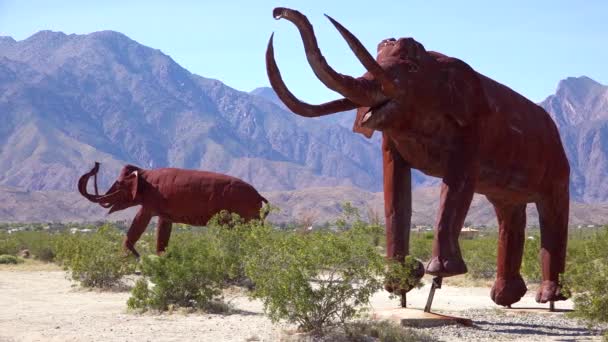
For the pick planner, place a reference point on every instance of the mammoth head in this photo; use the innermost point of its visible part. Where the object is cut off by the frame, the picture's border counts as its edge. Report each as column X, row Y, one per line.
column 403, row 79
column 121, row 195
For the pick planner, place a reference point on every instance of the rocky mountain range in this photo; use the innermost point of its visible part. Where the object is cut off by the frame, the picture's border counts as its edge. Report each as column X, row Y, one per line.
column 316, row 205
column 579, row 107
column 69, row 100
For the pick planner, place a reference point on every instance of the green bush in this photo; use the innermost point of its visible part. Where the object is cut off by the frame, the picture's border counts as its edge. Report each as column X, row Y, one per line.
column 480, row 256
column 190, row 274
column 9, row 259
column 401, row 274
column 421, row 245
column 8, row 244
column 226, row 234
column 530, row 266
column 586, row 274
column 314, row 279
column 39, row 243
column 96, row 259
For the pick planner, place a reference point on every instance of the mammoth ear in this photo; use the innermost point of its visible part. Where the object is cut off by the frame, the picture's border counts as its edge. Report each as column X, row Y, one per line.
column 132, row 183
column 357, row 128
column 127, row 170
column 462, row 96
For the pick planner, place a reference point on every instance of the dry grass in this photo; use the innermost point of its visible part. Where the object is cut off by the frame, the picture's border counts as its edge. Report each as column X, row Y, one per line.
column 464, row 281
column 31, row 265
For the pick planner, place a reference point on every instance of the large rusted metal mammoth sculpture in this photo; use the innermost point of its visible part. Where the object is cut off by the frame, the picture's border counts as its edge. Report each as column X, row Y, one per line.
column 174, row 195
column 440, row 116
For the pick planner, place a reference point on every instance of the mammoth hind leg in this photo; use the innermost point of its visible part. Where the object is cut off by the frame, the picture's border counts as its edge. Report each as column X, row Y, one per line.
column 553, row 217
column 509, row 286
column 163, row 234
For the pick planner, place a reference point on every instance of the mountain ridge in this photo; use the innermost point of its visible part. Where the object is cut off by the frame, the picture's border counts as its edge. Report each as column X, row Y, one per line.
column 579, row 108
column 315, row 205
column 138, row 106
column 70, row 100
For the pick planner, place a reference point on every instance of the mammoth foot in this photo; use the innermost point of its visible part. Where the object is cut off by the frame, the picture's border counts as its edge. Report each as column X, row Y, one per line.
column 508, row 291
column 446, row 267
column 549, row 291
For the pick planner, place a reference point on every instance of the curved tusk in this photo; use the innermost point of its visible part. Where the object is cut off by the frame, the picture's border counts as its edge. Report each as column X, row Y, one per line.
column 358, row 90
column 388, row 86
column 292, row 102
column 108, row 198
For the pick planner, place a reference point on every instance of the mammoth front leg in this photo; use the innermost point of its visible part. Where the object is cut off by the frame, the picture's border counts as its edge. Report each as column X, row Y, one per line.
column 138, row 226
column 397, row 201
column 163, row 233
column 397, row 207
column 456, row 196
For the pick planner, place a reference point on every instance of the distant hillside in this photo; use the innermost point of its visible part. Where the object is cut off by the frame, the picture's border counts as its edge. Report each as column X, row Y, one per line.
column 319, row 205
column 580, row 109
column 68, row 100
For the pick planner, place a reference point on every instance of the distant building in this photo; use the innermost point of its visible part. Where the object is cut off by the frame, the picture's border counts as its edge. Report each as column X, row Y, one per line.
column 469, row 233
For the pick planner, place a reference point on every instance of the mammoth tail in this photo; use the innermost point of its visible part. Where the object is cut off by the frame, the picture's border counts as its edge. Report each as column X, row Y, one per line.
column 267, row 211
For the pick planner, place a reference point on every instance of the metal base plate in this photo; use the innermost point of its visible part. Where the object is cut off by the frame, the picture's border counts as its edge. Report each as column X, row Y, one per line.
column 418, row 318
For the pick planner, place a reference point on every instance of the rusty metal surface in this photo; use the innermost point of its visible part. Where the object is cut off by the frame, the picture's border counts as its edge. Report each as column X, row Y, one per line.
column 175, row 196
column 440, row 116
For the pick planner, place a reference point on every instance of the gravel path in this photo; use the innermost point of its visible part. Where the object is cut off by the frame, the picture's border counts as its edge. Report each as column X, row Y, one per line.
column 42, row 305
column 502, row 325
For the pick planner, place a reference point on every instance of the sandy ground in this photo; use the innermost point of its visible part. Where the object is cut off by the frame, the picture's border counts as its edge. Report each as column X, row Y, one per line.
column 43, row 305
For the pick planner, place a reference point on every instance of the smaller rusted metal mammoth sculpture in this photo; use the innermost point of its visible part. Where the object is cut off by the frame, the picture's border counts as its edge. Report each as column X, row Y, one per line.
column 174, row 195
column 440, row 116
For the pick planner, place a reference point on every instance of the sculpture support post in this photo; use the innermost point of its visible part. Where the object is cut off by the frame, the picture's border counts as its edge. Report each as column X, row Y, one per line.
column 434, row 286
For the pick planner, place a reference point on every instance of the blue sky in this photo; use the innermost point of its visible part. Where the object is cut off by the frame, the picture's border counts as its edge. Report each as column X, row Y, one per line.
column 527, row 45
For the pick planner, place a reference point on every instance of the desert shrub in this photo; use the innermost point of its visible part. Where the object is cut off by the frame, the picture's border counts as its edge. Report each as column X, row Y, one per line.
column 530, row 266
column 480, row 256
column 8, row 244
column 226, row 234
column 66, row 246
column 9, row 259
column 586, row 275
column 401, row 274
column 94, row 260
column 315, row 279
column 190, row 274
column 40, row 244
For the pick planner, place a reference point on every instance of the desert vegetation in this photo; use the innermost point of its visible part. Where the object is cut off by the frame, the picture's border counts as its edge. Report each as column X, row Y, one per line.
column 319, row 279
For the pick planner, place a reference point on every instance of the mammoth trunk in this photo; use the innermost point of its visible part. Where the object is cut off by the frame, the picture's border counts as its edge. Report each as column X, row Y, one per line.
column 84, row 180
column 103, row 200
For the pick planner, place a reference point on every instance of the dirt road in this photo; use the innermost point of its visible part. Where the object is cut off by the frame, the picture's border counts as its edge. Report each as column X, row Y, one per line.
column 43, row 305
